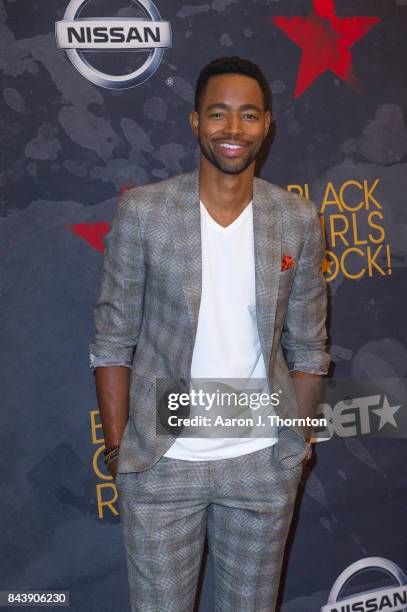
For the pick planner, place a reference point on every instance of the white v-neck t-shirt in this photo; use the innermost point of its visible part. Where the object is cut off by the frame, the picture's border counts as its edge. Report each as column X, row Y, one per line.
column 227, row 344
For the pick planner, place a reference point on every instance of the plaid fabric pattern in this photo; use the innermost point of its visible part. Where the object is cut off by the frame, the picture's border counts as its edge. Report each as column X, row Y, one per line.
column 244, row 504
column 147, row 312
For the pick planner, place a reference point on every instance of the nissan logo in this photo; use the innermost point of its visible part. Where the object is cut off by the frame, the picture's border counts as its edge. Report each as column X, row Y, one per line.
column 76, row 35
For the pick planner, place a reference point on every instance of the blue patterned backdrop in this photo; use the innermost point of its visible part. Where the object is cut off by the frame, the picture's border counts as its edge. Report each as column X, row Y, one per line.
column 70, row 147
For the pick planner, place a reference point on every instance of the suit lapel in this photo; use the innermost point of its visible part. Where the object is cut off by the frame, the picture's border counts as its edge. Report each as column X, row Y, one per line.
column 185, row 218
column 267, row 228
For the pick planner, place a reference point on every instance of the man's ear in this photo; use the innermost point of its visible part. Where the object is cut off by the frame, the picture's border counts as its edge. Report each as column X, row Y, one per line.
column 193, row 118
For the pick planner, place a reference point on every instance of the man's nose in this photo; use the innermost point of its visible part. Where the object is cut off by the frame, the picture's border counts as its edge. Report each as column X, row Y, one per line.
column 234, row 125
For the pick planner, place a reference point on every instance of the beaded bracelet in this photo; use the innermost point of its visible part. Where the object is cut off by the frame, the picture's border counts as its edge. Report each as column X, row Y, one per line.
column 109, row 449
column 111, row 460
column 111, row 457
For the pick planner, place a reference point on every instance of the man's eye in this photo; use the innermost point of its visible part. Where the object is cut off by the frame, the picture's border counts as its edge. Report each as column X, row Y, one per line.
column 216, row 115
column 250, row 116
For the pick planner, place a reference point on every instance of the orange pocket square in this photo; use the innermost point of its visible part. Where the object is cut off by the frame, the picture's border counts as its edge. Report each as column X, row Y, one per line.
column 287, row 262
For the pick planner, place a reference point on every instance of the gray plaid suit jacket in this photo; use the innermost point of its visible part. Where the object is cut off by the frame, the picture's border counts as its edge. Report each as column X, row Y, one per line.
column 147, row 313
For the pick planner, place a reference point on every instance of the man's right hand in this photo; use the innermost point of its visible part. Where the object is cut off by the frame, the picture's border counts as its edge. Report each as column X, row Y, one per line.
column 112, row 389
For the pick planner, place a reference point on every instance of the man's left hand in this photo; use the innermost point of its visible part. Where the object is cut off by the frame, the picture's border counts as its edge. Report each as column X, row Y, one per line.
column 309, row 453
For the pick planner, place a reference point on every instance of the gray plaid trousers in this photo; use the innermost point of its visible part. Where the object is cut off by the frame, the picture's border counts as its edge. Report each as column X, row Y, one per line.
column 244, row 504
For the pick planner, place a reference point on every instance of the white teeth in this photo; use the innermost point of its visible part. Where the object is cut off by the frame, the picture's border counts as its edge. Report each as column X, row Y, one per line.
column 230, row 146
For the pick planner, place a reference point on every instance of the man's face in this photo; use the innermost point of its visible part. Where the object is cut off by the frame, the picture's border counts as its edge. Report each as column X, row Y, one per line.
column 232, row 122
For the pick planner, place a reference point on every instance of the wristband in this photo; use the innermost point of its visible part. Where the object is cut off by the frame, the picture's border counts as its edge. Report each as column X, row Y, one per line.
column 111, row 456
column 109, row 449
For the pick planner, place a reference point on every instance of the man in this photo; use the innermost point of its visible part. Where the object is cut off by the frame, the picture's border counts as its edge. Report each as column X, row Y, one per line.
column 211, row 274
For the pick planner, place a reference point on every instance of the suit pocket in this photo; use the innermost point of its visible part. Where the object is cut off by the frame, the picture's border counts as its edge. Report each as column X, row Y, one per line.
column 285, row 285
column 291, row 448
column 287, row 276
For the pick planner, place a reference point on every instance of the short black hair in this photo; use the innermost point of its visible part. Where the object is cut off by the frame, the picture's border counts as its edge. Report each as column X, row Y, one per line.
column 232, row 65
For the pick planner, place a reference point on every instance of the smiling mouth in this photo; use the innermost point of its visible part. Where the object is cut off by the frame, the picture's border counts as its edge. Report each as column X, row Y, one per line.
column 231, row 149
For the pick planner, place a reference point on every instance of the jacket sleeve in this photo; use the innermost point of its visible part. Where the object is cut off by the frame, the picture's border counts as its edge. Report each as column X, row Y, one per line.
column 304, row 333
column 119, row 309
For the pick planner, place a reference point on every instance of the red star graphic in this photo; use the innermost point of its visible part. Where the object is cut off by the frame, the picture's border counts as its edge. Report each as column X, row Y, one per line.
column 92, row 233
column 126, row 186
column 325, row 40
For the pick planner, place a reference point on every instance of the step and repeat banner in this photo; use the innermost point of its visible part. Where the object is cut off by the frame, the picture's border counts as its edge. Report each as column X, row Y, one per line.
column 94, row 100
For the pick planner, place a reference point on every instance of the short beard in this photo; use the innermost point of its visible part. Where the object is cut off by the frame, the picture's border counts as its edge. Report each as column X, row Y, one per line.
column 215, row 161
